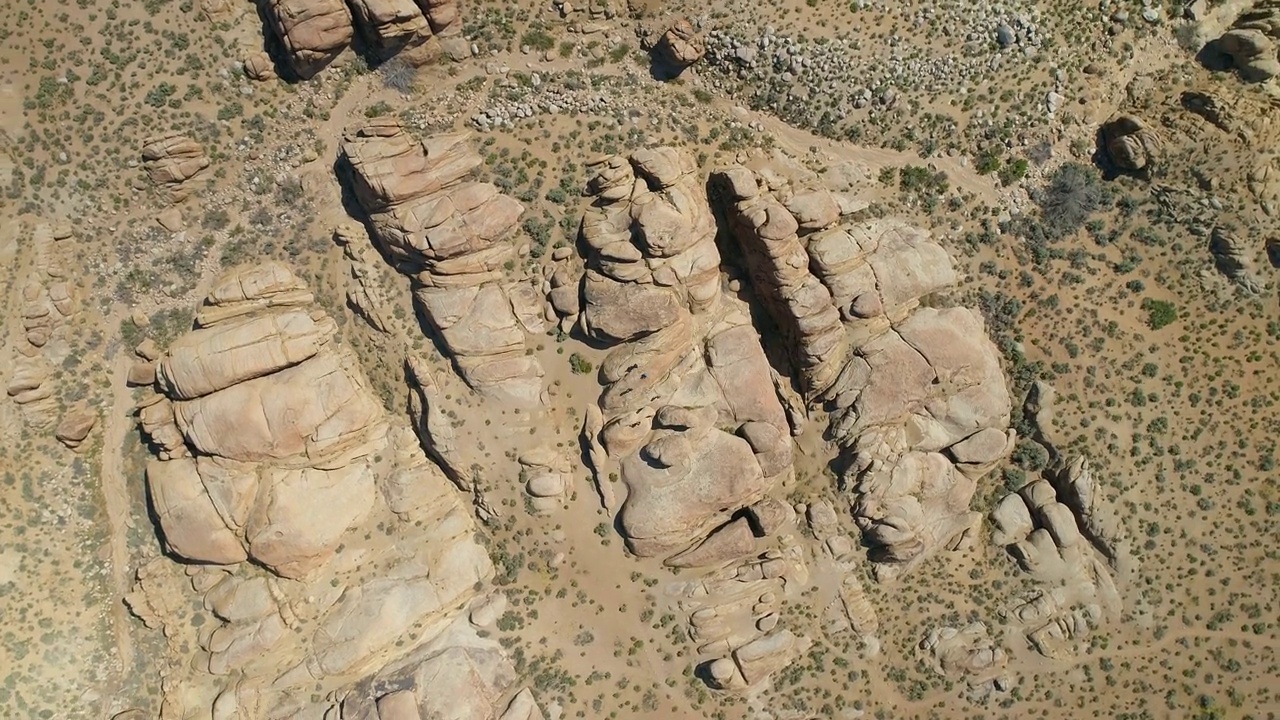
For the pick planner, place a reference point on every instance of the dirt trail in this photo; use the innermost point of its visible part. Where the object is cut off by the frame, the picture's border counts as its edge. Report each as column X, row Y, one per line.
column 115, row 493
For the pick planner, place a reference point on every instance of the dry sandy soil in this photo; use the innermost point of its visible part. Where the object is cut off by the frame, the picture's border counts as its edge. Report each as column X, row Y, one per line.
column 1180, row 422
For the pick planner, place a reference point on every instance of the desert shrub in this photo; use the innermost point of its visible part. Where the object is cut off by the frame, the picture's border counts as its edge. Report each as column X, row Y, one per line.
column 1073, row 195
column 579, row 365
column 1030, row 455
column 1013, row 171
column 398, row 75
column 988, row 163
column 377, row 109
column 538, row 38
column 1159, row 313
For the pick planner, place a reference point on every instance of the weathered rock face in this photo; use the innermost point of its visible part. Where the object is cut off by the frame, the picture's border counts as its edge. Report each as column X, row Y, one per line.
column 171, row 160
column 689, row 410
column 271, row 448
column 48, row 301
column 968, row 654
column 917, row 396
column 1234, row 258
column 1063, row 535
column 391, row 25
column 1253, row 42
column 313, row 32
column 274, row 429
column 689, row 415
column 452, row 236
column 1130, row 144
column 681, row 46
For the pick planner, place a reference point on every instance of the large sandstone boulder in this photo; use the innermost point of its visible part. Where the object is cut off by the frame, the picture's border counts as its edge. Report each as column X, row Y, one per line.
column 1130, row 144
column 333, row 556
column 680, row 46
column 313, row 32
column 916, row 396
column 275, row 426
column 1253, row 42
column 688, row 410
column 391, row 25
column 454, row 237
column 171, row 160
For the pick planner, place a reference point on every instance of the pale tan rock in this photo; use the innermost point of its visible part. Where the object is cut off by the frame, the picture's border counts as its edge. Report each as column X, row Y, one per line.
column 668, row 507
column 259, row 66
column 390, row 25
column 313, row 32
column 731, row 542
column 425, row 211
column 190, row 525
column 141, row 373
column 681, row 45
column 1130, row 144
column 76, row 425
column 210, row 359
column 171, row 160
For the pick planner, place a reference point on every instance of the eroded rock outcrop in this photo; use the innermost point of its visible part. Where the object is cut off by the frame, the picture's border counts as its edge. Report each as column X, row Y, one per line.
column 1253, row 42
column 689, row 414
column 48, row 301
column 689, row 411
column 313, row 32
column 680, row 46
column 916, row 395
column 1234, row 258
column 1130, row 144
column 1060, row 532
column 171, row 160
column 968, row 654
column 271, row 448
column 452, row 236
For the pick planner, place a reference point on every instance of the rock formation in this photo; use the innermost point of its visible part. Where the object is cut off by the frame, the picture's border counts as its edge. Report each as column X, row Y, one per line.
column 364, row 296
column 272, row 449
column 916, row 396
column 1253, row 42
column 689, row 411
column 680, row 46
column 1234, row 259
column 76, row 425
column 452, row 237
column 1060, row 533
column 48, row 302
column 968, row 654
column 1130, row 144
column 312, row 32
column 391, row 25
column 171, row 160
column 546, row 479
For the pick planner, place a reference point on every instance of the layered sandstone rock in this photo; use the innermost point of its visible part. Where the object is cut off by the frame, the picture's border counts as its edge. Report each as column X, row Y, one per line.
column 968, row 654
column 391, row 25
column 1253, row 42
column 1062, row 535
column 1131, row 145
column 689, row 411
column 452, row 236
column 916, row 396
column 48, row 301
column 274, row 428
column 272, row 449
column 313, row 32
column 171, row 160
column 680, row 46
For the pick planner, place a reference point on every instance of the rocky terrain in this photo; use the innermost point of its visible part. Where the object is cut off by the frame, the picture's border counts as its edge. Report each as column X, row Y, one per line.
column 412, row 359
